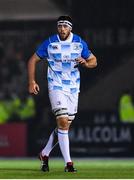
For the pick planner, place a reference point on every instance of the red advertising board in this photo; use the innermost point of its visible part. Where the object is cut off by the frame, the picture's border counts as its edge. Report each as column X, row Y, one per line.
column 13, row 139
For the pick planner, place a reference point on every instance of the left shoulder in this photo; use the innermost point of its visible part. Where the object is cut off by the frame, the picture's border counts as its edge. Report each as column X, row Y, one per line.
column 53, row 38
column 76, row 38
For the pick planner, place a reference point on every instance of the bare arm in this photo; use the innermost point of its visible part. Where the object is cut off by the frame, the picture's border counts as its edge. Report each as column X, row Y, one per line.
column 91, row 62
column 33, row 86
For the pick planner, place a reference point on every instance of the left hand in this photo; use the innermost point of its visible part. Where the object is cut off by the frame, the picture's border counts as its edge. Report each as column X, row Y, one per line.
column 81, row 61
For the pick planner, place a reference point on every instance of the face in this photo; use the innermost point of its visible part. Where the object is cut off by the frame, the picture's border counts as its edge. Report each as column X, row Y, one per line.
column 63, row 31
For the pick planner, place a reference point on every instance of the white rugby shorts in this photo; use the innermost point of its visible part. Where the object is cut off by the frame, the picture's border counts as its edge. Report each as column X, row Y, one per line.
column 64, row 104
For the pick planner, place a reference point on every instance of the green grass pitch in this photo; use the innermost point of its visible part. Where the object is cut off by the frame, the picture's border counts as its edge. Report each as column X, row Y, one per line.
column 87, row 169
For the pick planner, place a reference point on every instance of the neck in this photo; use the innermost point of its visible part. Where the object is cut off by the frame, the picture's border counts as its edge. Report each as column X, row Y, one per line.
column 68, row 36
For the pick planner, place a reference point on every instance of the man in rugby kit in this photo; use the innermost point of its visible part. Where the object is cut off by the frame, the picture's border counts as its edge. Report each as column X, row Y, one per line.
column 64, row 52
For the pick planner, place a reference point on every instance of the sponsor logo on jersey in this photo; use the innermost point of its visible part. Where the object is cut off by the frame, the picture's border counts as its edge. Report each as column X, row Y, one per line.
column 66, row 57
column 55, row 47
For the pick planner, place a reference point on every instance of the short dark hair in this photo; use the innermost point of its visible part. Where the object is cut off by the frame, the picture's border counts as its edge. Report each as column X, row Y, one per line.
column 65, row 18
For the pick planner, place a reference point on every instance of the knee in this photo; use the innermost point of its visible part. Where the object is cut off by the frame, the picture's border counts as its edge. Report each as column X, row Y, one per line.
column 62, row 123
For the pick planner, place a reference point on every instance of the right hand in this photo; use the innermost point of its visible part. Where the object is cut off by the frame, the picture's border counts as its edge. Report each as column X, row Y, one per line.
column 34, row 88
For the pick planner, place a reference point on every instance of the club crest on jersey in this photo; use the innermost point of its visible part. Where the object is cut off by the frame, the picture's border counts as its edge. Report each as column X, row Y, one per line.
column 76, row 47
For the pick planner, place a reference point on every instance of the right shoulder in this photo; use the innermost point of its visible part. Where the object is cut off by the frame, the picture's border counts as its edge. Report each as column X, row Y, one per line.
column 53, row 38
column 42, row 49
column 50, row 40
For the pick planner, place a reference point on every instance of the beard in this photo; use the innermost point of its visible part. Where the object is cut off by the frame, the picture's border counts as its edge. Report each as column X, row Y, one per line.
column 64, row 36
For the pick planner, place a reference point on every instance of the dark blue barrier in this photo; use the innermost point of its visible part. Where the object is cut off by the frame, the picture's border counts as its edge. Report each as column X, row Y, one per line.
column 92, row 134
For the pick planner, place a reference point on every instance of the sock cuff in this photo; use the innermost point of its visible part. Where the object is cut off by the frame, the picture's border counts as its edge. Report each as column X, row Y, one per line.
column 60, row 131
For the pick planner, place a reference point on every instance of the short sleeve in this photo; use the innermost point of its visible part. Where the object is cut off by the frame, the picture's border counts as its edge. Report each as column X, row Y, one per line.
column 42, row 50
column 85, row 52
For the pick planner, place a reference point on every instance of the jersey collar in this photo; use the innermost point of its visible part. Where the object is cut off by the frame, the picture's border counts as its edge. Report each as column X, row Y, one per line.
column 68, row 40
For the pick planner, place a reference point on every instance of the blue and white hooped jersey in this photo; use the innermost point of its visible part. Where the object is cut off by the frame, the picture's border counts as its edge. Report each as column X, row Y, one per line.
column 61, row 55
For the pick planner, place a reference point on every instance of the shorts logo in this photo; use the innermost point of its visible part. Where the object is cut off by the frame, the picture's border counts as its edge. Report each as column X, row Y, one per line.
column 58, row 103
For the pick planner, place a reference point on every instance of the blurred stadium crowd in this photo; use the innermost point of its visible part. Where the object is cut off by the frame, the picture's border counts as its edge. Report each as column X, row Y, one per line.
column 16, row 46
column 12, row 70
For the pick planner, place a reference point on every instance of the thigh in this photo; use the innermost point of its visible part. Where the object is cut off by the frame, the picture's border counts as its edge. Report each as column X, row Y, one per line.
column 59, row 104
column 72, row 104
column 57, row 100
